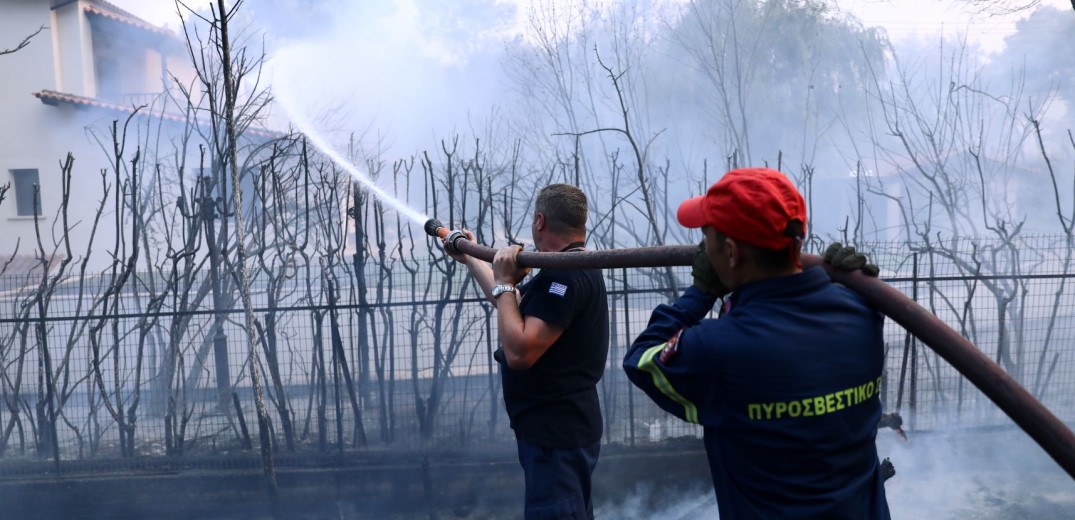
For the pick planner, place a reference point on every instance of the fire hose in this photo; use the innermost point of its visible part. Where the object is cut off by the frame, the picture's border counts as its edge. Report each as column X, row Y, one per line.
column 1011, row 397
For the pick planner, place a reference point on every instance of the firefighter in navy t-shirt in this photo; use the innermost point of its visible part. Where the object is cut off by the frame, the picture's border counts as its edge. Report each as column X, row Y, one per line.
column 786, row 382
column 554, row 348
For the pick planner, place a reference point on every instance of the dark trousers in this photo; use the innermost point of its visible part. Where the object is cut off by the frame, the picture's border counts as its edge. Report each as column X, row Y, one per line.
column 558, row 481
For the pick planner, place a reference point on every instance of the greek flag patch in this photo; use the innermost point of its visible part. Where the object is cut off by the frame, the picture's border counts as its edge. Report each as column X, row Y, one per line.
column 558, row 289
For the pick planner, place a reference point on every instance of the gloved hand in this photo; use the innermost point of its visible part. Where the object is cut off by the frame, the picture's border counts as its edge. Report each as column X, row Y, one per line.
column 847, row 259
column 705, row 277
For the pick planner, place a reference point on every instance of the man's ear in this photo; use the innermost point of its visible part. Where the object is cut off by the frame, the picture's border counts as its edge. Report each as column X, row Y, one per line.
column 734, row 252
column 539, row 221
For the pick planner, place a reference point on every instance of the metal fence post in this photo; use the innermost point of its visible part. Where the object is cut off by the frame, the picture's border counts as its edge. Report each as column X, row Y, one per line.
column 627, row 334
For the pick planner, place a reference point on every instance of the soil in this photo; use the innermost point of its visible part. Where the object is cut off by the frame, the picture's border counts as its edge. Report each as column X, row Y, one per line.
column 939, row 476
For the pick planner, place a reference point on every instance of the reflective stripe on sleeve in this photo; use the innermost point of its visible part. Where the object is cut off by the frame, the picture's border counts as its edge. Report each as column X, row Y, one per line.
column 647, row 364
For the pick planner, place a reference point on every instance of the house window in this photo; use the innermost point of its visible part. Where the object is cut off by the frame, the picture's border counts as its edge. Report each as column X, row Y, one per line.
column 26, row 201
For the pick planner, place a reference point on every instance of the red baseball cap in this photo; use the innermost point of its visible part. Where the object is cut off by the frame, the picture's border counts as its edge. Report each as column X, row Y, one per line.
column 758, row 206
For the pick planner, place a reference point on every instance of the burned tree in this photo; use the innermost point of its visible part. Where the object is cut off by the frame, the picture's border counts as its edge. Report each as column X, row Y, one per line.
column 960, row 159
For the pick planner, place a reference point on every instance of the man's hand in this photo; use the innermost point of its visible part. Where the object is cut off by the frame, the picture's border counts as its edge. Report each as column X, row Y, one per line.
column 506, row 267
column 705, row 277
column 847, row 259
column 458, row 257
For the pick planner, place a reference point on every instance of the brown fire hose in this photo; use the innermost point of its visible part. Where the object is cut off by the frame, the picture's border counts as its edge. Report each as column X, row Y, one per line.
column 1033, row 417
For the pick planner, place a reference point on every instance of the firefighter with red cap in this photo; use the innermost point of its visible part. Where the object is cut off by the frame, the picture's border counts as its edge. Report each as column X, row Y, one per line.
column 786, row 382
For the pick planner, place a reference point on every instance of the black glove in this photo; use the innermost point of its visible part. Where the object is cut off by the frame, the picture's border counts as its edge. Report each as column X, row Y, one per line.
column 847, row 259
column 705, row 278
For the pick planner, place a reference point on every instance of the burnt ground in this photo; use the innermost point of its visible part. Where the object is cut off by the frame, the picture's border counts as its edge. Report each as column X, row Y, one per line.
column 463, row 487
column 997, row 475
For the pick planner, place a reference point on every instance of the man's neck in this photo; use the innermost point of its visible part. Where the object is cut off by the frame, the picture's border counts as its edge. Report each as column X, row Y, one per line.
column 553, row 244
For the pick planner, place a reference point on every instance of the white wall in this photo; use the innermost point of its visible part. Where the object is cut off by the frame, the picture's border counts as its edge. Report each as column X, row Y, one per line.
column 36, row 135
column 39, row 136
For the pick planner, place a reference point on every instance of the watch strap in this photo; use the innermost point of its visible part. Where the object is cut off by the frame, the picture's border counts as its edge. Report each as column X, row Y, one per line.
column 502, row 288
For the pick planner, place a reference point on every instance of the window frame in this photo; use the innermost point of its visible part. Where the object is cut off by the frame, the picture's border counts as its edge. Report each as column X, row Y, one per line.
column 24, row 192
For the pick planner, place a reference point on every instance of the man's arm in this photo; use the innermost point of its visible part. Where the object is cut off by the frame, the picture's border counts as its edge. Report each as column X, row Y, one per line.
column 483, row 275
column 664, row 360
column 481, row 271
column 524, row 340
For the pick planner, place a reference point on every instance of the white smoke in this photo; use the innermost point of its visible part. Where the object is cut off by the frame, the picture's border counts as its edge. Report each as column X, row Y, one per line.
column 948, row 475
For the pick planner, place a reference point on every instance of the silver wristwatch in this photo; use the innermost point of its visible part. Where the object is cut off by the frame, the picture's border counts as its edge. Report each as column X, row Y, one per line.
column 502, row 288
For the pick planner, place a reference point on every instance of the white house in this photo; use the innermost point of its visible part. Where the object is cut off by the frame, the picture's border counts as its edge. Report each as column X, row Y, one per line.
column 91, row 64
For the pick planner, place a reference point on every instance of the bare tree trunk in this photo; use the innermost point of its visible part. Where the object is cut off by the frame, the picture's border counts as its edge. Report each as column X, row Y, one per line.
column 341, row 361
column 230, row 88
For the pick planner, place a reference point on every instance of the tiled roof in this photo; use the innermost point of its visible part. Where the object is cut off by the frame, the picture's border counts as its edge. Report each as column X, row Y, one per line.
column 110, row 11
column 17, row 265
column 53, row 98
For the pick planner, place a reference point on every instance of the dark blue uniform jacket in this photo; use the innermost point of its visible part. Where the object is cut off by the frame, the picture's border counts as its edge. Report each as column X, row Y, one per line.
column 786, row 387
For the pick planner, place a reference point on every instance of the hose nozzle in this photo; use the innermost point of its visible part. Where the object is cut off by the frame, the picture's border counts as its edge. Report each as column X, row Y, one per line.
column 436, row 229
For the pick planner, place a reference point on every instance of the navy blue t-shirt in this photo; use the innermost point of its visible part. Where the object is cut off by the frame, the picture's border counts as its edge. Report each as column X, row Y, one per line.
column 554, row 403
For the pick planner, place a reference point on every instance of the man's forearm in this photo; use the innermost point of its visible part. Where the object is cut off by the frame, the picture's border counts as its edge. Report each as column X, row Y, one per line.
column 482, row 273
column 510, row 325
column 667, row 319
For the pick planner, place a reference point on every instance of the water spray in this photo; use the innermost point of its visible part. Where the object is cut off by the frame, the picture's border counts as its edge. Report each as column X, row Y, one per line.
column 1033, row 417
column 307, row 130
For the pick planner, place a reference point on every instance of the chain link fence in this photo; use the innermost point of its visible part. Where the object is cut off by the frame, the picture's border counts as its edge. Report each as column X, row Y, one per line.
column 97, row 376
